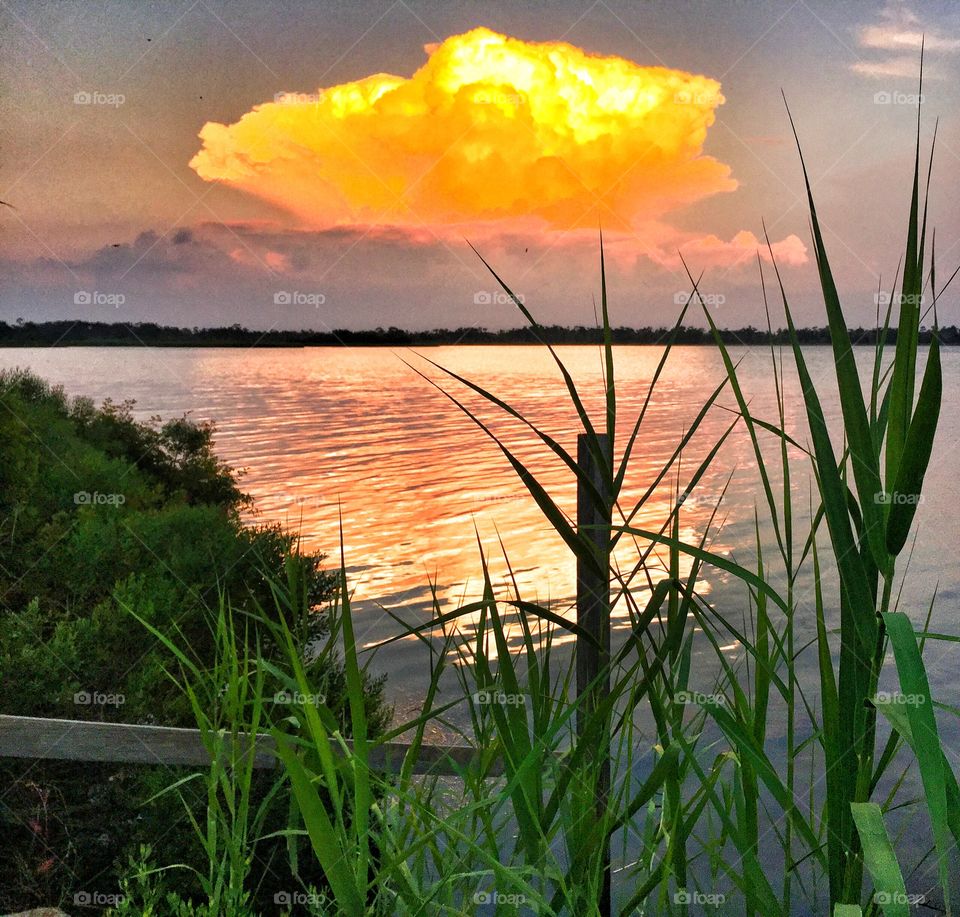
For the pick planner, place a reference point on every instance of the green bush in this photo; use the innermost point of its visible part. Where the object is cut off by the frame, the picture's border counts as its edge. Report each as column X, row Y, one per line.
column 104, row 519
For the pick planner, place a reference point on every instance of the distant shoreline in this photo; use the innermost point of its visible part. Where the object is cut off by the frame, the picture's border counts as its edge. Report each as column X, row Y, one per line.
column 69, row 333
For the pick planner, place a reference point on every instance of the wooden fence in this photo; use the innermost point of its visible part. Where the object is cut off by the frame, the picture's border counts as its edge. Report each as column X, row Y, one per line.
column 81, row 740
column 125, row 743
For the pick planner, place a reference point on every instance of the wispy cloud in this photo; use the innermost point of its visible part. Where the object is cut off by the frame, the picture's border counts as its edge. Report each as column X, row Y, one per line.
column 906, row 67
column 893, row 37
column 899, row 34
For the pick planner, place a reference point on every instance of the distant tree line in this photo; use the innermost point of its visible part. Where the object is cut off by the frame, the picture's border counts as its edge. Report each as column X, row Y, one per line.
column 76, row 333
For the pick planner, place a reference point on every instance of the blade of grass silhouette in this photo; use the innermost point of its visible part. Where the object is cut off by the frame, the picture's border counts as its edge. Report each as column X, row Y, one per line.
column 549, row 441
column 547, row 506
column 918, row 446
column 902, row 384
column 865, row 461
column 574, row 395
column 880, row 860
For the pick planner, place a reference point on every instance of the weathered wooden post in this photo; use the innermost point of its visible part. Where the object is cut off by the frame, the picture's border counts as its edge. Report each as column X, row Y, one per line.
column 593, row 616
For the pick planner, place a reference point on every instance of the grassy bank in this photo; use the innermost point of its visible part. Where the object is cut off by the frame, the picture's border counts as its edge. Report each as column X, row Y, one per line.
column 755, row 792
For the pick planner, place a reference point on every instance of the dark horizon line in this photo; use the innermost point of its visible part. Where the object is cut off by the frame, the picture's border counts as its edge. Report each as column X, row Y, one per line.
column 77, row 333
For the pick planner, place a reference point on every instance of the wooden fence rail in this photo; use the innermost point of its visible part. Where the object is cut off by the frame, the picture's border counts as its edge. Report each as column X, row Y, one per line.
column 126, row 743
column 75, row 740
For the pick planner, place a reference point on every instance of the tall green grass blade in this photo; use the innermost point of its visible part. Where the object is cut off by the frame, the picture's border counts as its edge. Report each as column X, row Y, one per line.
column 709, row 557
column 594, row 444
column 881, row 861
column 654, row 379
column 907, row 491
column 580, row 548
column 904, row 369
column 609, row 379
column 583, row 479
column 320, row 830
column 866, row 466
column 852, row 573
column 923, row 725
column 896, row 715
column 744, row 412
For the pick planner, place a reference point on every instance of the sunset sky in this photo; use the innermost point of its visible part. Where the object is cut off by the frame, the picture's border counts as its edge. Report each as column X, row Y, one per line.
column 322, row 165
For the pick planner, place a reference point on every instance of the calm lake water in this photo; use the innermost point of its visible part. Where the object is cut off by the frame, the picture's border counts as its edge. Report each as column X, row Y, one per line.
column 354, row 434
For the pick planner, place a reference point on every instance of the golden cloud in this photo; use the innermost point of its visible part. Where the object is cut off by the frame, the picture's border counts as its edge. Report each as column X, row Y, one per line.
column 489, row 130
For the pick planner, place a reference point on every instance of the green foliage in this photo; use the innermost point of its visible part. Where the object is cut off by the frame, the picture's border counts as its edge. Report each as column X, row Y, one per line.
column 103, row 520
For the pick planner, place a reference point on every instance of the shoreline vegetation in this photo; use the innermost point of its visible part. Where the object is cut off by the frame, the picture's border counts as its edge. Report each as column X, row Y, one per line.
column 76, row 333
column 108, row 525
column 810, row 773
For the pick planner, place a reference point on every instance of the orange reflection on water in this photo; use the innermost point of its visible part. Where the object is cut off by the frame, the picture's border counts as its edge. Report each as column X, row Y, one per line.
column 418, row 484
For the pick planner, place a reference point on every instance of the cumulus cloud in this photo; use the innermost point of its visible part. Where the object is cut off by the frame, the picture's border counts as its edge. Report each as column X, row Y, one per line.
column 490, row 128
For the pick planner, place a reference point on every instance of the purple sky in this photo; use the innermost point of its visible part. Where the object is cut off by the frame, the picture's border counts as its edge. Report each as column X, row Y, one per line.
column 103, row 107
